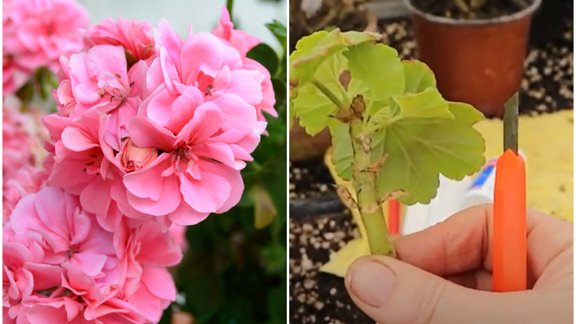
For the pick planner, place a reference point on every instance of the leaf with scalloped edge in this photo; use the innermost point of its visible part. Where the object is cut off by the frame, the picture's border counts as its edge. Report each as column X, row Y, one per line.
column 378, row 67
column 424, row 139
column 312, row 107
column 313, row 49
column 418, row 76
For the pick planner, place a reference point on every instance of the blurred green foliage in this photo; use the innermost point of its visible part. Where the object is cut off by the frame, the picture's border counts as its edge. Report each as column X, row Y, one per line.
column 234, row 270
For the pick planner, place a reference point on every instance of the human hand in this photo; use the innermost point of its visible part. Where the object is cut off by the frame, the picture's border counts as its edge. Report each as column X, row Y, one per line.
column 443, row 275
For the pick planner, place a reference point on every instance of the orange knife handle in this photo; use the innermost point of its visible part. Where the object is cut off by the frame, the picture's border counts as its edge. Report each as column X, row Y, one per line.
column 509, row 250
column 394, row 211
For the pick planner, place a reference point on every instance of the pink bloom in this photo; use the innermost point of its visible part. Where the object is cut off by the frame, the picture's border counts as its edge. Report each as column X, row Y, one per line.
column 78, row 156
column 83, row 164
column 36, row 33
column 198, row 173
column 242, row 41
column 61, row 266
column 178, row 233
column 63, row 238
column 167, row 136
column 26, row 180
column 135, row 37
column 14, row 75
column 135, row 158
column 98, row 79
column 146, row 251
column 268, row 97
column 24, row 271
column 71, row 237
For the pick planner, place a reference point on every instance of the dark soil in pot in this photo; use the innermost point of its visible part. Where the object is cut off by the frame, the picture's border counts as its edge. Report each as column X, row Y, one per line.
column 490, row 9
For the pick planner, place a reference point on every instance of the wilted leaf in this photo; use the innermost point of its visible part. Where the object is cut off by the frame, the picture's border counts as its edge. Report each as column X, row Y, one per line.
column 264, row 209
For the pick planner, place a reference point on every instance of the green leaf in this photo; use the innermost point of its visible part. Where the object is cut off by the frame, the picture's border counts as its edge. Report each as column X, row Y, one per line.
column 266, row 56
column 273, row 258
column 312, row 50
column 418, row 76
column 423, row 140
column 205, row 295
column 277, row 305
column 279, row 31
column 466, row 113
column 343, row 155
column 426, row 104
column 378, row 67
column 313, row 107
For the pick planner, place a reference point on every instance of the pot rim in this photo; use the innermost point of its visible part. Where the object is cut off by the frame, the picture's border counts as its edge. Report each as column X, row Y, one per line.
column 474, row 22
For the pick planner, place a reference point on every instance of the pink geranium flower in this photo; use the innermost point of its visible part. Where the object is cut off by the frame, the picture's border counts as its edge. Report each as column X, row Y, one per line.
column 145, row 252
column 165, row 137
column 36, row 33
column 242, row 41
column 178, row 233
column 64, row 240
column 136, row 37
column 60, row 264
column 198, row 173
column 26, row 180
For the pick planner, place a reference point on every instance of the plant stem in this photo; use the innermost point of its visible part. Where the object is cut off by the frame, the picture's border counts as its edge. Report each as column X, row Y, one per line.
column 230, row 6
column 328, row 93
column 364, row 182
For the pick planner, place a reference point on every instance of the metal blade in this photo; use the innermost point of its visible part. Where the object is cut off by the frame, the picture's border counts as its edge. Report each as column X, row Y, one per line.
column 511, row 124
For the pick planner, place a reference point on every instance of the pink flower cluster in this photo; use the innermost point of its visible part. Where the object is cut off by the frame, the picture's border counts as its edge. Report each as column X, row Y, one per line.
column 60, row 266
column 151, row 134
column 159, row 133
column 36, row 33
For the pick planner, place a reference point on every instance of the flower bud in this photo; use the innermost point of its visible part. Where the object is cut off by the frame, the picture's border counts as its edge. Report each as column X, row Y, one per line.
column 135, row 158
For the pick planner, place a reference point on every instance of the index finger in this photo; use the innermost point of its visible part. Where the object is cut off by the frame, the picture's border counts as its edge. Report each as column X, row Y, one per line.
column 462, row 242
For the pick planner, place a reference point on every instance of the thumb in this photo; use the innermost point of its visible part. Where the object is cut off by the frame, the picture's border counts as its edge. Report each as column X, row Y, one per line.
column 391, row 291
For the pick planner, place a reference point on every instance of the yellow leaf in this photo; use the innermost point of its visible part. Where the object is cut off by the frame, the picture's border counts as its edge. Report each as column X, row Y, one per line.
column 341, row 260
column 264, row 210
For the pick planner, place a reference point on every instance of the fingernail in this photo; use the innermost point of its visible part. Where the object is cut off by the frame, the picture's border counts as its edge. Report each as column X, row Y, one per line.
column 370, row 281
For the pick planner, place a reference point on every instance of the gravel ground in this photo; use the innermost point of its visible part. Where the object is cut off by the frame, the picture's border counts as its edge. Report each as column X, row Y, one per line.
column 319, row 297
column 320, row 225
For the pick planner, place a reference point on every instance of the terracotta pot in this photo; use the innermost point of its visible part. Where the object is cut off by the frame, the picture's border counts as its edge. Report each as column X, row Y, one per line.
column 304, row 147
column 480, row 62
